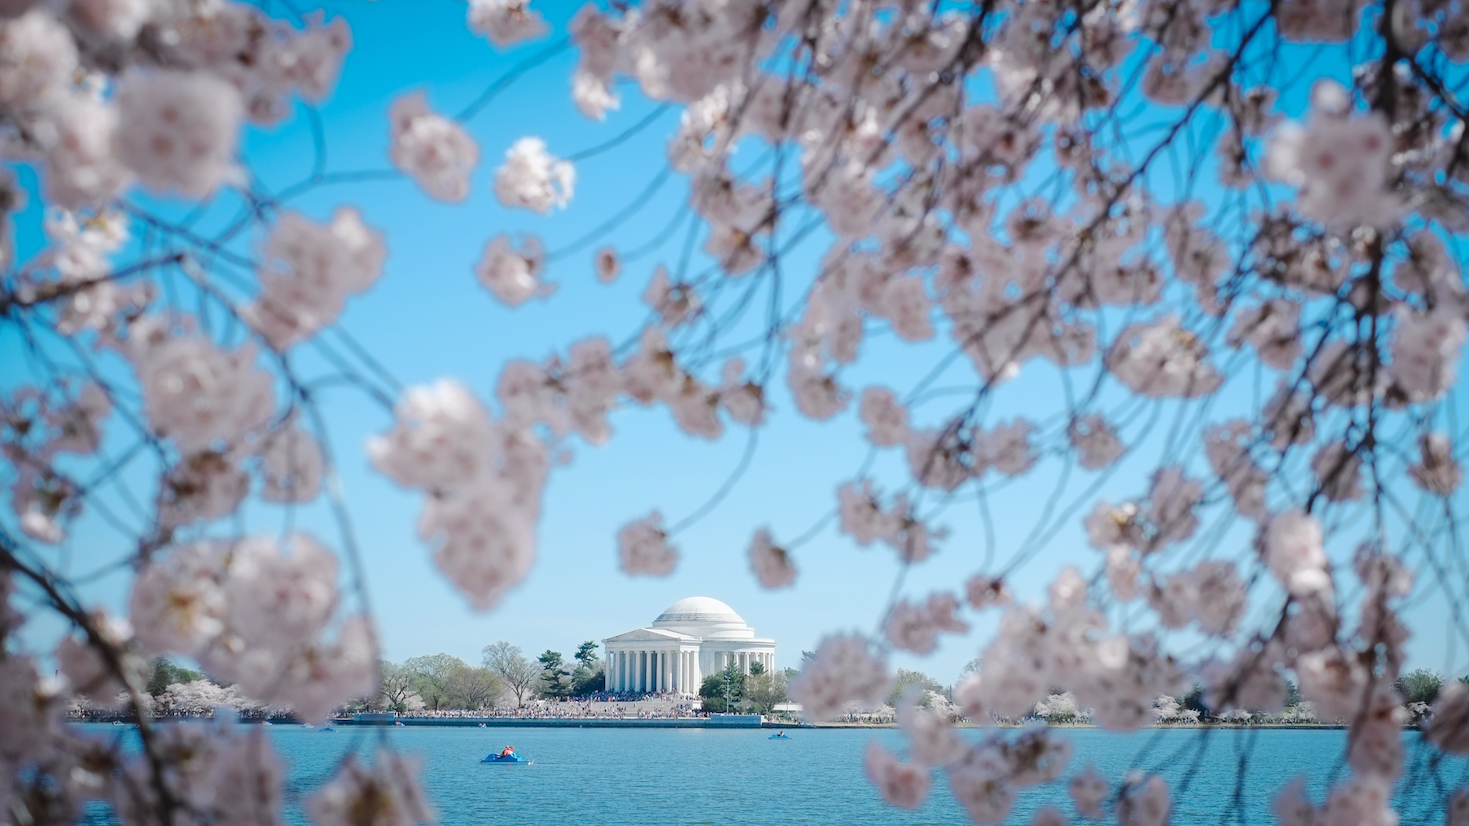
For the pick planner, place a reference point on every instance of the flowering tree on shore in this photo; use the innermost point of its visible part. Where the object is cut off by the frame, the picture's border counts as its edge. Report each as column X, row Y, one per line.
column 1264, row 303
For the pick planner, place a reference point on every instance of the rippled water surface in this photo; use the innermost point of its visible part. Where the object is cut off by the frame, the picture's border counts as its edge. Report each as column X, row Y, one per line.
column 703, row 776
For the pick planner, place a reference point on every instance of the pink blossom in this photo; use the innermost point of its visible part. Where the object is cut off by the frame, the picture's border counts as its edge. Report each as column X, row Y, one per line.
column 1089, row 790
column 513, row 275
column 291, row 465
column 1144, row 802
column 1096, row 442
column 675, row 303
column 1292, row 549
column 743, row 400
column 771, row 563
column 1273, row 329
column 1458, row 808
column 1291, row 806
column 177, row 130
column 279, row 601
column 37, row 60
column 643, row 547
column 1449, row 724
column 176, row 604
column 434, row 151
column 1162, row 359
column 197, row 395
column 1425, row 350
column 1362, row 801
column 484, row 539
column 203, row 486
column 933, row 741
column 388, row 794
column 1436, row 471
column 983, row 592
column 981, row 784
column 886, row 419
column 443, row 437
column 1338, row 471
column 844, row 670
column 505, row 22
column 1049, row 816
column 310, row 271
column 901, row 784
column 531, row 179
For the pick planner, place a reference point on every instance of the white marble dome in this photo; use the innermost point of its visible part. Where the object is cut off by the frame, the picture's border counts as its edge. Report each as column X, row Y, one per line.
column 704, row 617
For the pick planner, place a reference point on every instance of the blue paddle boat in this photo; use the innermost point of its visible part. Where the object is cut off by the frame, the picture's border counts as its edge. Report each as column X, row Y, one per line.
column 328, row 728
column 511, row 759
column 780, row 737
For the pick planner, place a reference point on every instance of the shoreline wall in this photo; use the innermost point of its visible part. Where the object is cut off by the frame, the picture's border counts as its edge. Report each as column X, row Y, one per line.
column 719, row 721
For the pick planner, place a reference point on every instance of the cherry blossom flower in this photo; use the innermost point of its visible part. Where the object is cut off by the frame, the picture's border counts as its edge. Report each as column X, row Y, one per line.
column 280, row 601
column 1163, row 360
column 1362, row 801
column 291, row 466
column 1458, row 808
column 37, row 60
column 675, row 303
column 177, row 130
column 203, row 486
column 934, row 742
column 1273, row 329
column 513, row 275
column 980, row 782
column 886, row 419
column 1049, row 816
column 1096, row 441
column 983, row 592
column 82, row 166
column 1425, row 349
column 844, row 670
column 1089, row 790
column 1292, row 549
column 387, row 794
column 916, row 627
column 443, row 436
column 114, row 19
column 1436, row 471
column 531, row 179
column 176, row 605
column 433, row 150
column 485, row 539
column 743, row 400
column 311, row 270
column 197, row 395
column 1144, row 802
column 771, row 563
column 901, row 784
column 643, row 547
column 1449, row 724
column 505, row 22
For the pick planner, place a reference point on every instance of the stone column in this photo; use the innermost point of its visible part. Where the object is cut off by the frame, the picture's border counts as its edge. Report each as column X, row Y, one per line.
column 647, row 671
column 667, row 660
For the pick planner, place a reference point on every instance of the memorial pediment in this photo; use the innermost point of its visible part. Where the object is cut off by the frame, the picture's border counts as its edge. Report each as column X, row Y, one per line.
column 651, row 635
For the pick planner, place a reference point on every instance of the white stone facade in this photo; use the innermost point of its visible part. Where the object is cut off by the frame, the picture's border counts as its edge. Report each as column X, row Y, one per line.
column 694, row 637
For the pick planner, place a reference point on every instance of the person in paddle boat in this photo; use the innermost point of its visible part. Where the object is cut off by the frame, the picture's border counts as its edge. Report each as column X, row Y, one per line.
column 508, row 752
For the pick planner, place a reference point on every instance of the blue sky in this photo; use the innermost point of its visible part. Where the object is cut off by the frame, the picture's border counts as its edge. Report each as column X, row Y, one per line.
column 429, row 318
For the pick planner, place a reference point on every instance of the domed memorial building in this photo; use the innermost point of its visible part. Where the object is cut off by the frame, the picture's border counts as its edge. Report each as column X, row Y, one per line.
column 694, row 637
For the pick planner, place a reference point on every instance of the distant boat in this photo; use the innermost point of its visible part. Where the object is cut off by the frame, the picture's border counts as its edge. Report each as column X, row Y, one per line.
column 266, row 723
column 328, row 728
column 398, row 722
column 307, row 725
column 481, row 725
column 117, row 722
column 780, row 737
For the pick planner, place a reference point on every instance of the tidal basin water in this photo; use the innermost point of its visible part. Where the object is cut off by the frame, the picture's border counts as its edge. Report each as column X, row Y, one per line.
column 702, row 776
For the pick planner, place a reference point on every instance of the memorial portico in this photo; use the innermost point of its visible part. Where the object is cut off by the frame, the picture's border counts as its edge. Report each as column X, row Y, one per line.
column 694, row 637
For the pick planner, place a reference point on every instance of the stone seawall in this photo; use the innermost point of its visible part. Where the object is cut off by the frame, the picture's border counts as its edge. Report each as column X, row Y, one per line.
column 716, row 721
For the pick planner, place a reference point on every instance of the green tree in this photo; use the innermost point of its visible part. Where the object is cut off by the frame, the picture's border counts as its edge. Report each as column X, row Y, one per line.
column 971, row 667
column 555, row 680
column 765, row 690
column 1419, row 686
column 396, row 686
column 1292, row 694
column 431, row 677
column 473, row 688
column 586, row 654
column 518, row 673
column 757, row 669
column 916, row 680
column 586, row 680
column 163, row 673
column 723, row 690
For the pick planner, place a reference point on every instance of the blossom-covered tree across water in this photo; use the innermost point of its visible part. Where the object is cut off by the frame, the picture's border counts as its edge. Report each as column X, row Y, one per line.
column 1111, row 192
